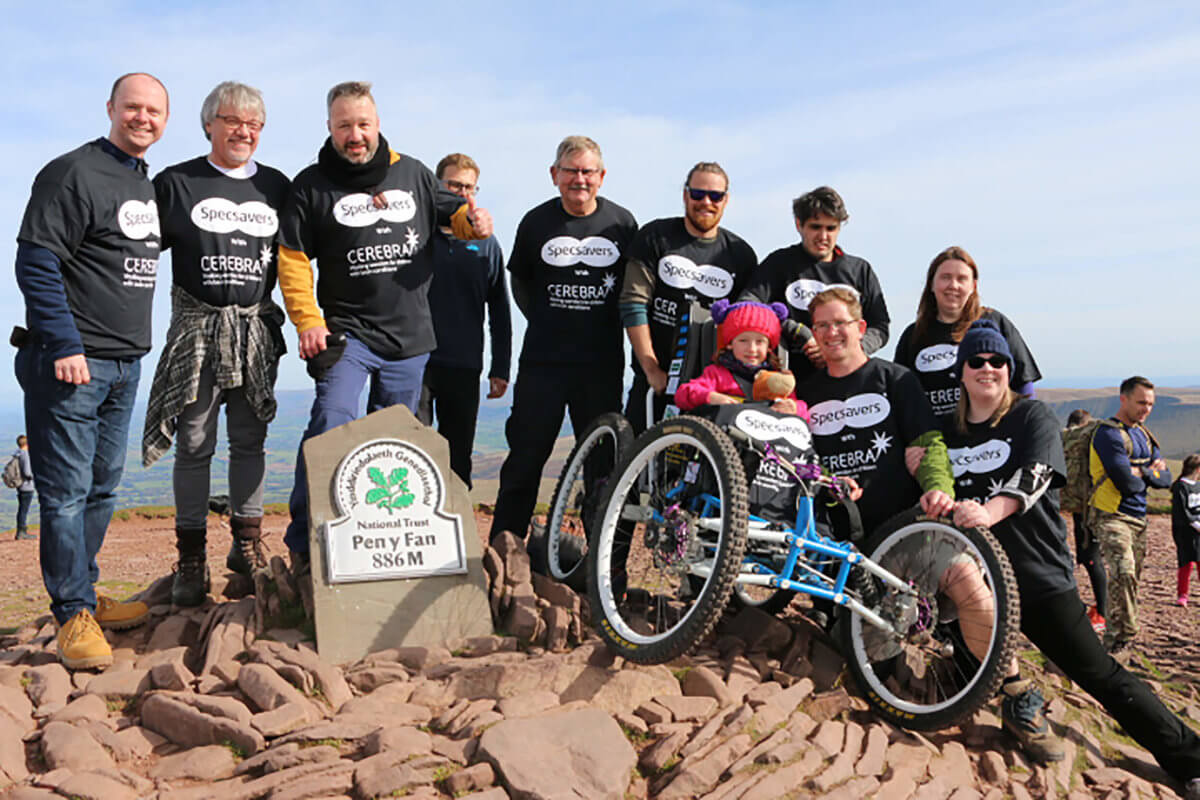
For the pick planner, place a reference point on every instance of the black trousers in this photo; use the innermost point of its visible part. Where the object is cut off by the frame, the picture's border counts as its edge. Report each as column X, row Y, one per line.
column 1059, row 627
column 542, row 393
column 452, row 395
column 1087, row 555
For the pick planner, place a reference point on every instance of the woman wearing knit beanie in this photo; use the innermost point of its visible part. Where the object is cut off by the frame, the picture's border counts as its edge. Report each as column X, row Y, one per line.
column 1008, row 463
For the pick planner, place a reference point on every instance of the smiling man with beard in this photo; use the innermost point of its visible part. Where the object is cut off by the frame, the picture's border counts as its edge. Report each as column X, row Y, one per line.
column 674, row 262
column 366, row 214
column 220, row 218
column 87, row 258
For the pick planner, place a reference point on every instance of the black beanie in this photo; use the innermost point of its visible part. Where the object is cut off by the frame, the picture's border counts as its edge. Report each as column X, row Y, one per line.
column 982, row 337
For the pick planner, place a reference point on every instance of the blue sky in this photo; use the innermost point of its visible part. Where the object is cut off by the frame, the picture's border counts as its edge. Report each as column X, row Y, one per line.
column 1056, row 142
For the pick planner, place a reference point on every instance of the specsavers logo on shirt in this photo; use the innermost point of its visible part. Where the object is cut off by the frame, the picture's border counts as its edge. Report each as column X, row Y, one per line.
column 220, row 215
column 683, row 273
column 801, row 292
column 765, row 428
column 860, row 411
column 936, row 358
column 138, row 220
column 980, row 459
column 359, row 211
column 566, row 251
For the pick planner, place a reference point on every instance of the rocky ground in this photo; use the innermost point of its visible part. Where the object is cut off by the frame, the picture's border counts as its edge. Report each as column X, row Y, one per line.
column 230, row 701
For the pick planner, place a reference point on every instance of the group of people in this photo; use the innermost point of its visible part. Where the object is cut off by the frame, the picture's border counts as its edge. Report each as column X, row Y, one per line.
column 406, row 265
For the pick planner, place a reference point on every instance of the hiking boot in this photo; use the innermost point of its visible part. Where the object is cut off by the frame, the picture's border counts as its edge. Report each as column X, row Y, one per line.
column 23, row 533
column 301, row 564
column 117, row 616
column 1024, row 719
column 81, row 643
column 1098, row 623
column 192, row 581
column 246, row 553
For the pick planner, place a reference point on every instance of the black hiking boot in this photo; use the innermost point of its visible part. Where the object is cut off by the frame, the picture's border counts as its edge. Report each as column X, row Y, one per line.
column 191, row 572
column 246, row 553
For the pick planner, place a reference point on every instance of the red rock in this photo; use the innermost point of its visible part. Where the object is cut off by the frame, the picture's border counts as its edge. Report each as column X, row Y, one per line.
column 842, row 767
column 66, row 747
column 759, row 695
column 874, row 757
column 284, row 719
column 992, row 768
column 760, row 631
column 854, row 789
column 171, row 675
column 696, row 776
column 703, row 682
column 212, row 763
column 784, row 781
column 403, row 739
column 472, row 779
column 88, row 706
column 954, row 765
column 91, row 786
column 688, row 709
column 828, row 705
column 829, row 738
column 657, row 755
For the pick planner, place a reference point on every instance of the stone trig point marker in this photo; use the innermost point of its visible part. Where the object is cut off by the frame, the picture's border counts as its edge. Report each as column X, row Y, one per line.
column 396, row 559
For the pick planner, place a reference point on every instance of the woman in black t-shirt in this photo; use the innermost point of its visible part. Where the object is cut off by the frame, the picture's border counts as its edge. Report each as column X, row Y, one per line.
column 1008, row 462
column 949, row 304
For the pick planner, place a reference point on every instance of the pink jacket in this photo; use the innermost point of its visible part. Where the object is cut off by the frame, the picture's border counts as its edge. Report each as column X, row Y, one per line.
column 715, row 378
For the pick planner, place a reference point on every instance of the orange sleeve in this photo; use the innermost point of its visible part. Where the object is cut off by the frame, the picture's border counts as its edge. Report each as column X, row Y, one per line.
column 296, row 284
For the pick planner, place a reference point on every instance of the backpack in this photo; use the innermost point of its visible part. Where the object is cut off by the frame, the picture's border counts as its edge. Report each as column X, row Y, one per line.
column 12, row 473
column 1076, row 495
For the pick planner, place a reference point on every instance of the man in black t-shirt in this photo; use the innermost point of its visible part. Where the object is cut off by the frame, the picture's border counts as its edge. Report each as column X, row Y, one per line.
column 220, row 219
column 87, row 258
column 796, row 274
column 566, row 264
column 674, row 262
column 865, row 411
column 366, row 215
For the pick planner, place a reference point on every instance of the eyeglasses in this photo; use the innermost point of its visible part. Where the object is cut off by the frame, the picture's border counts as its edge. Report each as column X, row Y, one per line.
column 580, row 172
column 459, row 186
column 700, row 194
column 997, row 361
column 252, row 125
column 835, row 325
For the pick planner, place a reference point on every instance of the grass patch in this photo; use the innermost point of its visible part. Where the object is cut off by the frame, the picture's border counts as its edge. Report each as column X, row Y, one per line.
column 445, row 771
column 120, row 705
column 636, row 737
column 1034, row 657
column 681, row 673
column 336, row 744
column 239, row 752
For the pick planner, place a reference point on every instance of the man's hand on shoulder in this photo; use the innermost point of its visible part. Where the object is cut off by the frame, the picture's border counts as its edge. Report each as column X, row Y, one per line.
column 312, row 341
column 72, row 369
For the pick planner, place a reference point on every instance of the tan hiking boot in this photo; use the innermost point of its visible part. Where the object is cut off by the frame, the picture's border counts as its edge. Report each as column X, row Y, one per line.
column 81, row 643
column 1025, row 720
column 115, row 615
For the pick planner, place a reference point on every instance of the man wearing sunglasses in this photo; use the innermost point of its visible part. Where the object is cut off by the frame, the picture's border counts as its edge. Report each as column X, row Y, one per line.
column 220, row 218
column 468, row 277
column 796, row 274
column 865, row 411
column 674, row 262
column 567, row 264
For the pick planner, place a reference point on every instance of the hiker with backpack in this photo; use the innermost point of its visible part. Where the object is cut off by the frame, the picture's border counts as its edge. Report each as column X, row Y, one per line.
column 1077, row 442
column 1185, row 524
column 1124, row 460
column 18, row 474
column 1008, row 462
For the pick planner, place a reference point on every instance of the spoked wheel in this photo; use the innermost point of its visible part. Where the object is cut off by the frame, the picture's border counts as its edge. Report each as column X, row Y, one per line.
column 957, row 635
column 597, row 451
column 670, row 539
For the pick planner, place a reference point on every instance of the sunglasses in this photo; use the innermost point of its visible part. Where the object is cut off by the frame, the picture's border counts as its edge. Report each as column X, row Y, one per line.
column 700, row 194
column 977, row 362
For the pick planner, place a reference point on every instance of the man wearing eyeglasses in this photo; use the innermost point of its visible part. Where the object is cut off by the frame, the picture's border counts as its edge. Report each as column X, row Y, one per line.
column 220, row 218
column 87, row 259
column 865, row 411
column 674, row 262
column 468, row 277
column 366, row 215
column 796, row 274
column 566, row 264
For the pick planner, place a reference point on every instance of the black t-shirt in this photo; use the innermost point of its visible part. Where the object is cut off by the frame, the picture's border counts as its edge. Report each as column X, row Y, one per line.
column 683, row 269
column 373, row 265
column 1185, row 507
column 221, row 231
column 100, row 219
column 861, row 424
column 574, row 267
column 791, row 275
column 933, row 360
column 984, row 458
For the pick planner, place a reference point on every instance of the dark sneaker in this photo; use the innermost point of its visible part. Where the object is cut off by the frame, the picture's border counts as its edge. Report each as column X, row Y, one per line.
column 245, row 556
column 23, row 534
column 1024, row 719
column 192, row 582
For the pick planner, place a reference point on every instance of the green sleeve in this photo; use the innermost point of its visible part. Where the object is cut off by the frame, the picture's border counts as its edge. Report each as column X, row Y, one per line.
column 934, row 471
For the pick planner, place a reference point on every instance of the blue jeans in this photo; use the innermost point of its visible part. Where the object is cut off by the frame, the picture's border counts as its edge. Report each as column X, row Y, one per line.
column 24, row 501
column 339, row 391
column 77, row 440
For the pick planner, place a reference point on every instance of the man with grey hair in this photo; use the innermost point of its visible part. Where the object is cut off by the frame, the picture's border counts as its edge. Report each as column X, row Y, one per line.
column 366, row 214
column 220, row 218
column 567, row 265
